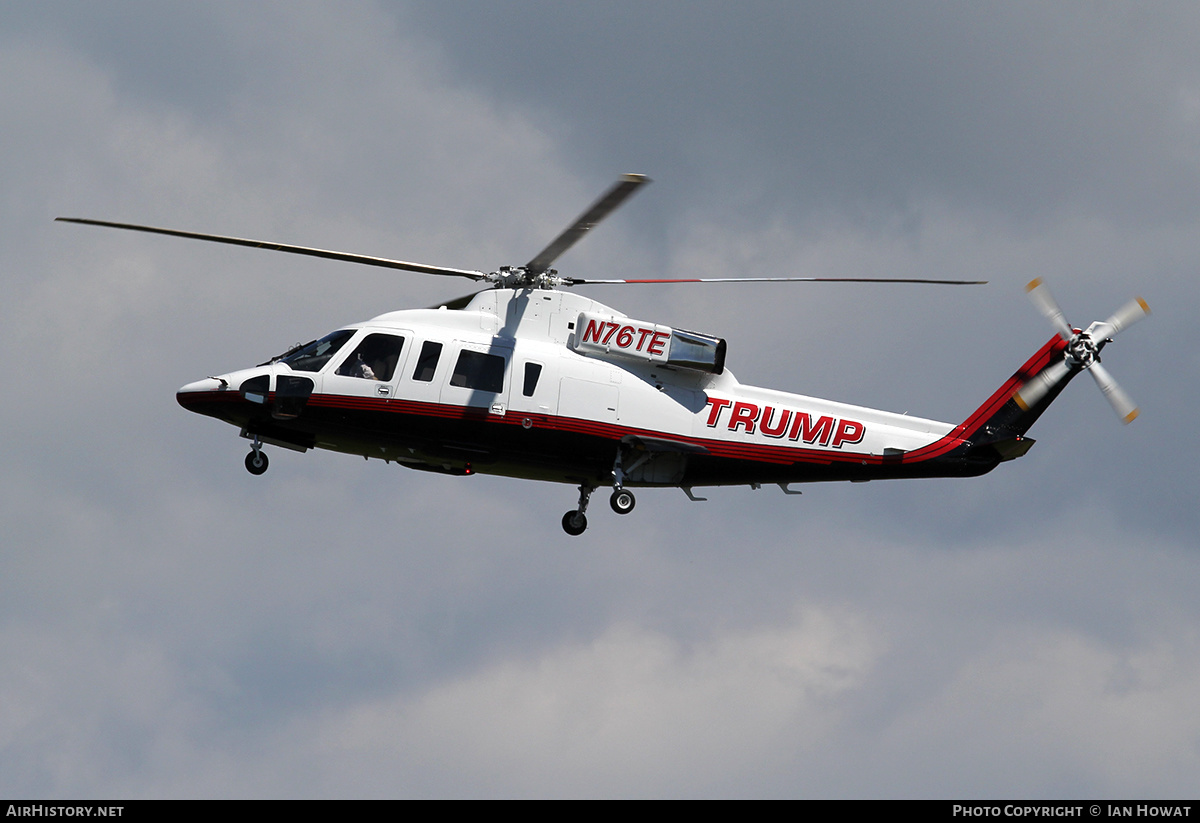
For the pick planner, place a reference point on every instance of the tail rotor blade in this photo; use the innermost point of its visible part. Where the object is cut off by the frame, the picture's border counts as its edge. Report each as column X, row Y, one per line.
column 1123, row 318
column 1122, row 404
column 1040, row 294
column 1040, row 384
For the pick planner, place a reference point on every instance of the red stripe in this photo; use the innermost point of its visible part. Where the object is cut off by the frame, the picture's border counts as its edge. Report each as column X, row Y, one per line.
column 689, row 280
column 1040, row 360
column 718, row 448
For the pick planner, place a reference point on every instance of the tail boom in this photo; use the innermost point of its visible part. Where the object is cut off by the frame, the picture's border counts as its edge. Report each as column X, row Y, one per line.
column 995, row 431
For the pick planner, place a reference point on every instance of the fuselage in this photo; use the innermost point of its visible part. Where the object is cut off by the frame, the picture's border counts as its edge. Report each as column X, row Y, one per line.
column 503, row 386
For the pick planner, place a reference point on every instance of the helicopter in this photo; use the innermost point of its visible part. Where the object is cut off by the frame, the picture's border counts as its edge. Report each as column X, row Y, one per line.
column 527, row 380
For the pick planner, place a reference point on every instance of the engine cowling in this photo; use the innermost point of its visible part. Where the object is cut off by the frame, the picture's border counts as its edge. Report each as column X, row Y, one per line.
column 622, row 338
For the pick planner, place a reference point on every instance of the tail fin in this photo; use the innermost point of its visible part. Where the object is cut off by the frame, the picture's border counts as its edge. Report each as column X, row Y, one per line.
column 995, row 431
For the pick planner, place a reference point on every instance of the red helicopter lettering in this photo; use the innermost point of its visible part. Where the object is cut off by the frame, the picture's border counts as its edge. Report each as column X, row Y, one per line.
column 802, row 427
column 593, row 331
column 606, row 332
column 660, row 340
column 746, row 415
column 717, row 403
column 848, row 432
column 774, row 431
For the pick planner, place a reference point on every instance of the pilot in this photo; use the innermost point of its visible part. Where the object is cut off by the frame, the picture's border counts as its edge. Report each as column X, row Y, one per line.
column 361, row 369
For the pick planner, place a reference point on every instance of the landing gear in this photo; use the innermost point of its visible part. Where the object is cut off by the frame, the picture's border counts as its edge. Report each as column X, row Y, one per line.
column 256, row 460
column 622, row 501
column 574, row 522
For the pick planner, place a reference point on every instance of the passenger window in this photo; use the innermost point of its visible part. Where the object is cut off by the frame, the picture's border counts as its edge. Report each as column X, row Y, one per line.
column 532, row 372
column 427, row 362
column 374, row 359
column 476, row 370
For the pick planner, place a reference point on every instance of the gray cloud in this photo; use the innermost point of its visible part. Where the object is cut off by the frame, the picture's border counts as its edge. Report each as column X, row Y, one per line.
column 1017, row 108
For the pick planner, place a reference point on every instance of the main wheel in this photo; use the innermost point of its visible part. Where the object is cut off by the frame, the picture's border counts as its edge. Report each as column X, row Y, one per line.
column 256, row 462
column 622, row 501
column 574, row 523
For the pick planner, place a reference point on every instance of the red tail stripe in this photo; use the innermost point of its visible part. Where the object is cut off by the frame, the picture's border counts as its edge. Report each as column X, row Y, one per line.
column 719, row 448
column 1040, row 360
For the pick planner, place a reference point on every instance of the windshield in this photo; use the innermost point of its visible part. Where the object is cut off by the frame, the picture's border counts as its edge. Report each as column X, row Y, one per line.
column 313, row 356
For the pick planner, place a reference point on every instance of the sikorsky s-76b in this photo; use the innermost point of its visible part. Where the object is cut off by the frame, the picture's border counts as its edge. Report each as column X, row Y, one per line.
column 526, row 380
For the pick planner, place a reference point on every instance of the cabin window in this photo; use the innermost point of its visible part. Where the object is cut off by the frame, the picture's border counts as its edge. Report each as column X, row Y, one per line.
column 427, row 362
column 313, row 356
column 479, row 371
column 374, row 359
column 532, row 372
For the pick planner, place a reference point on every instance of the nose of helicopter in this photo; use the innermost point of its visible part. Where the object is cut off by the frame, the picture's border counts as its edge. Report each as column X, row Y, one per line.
column 191, row 394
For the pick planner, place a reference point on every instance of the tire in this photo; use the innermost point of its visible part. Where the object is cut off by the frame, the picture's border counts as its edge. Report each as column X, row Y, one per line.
column 574, row 523
column 622, row 501
column 257, row 462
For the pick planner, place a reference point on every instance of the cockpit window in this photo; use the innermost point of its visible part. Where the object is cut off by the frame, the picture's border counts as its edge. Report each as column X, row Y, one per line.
column 315, row 355
column 375, row 358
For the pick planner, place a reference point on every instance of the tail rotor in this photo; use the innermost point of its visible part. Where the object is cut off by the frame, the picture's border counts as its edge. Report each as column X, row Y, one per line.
column 1082, row 351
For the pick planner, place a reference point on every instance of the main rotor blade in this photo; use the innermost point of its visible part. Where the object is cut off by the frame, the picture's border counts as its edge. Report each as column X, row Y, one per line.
column 311, row 252
column 1122, row 403
column 575, row 281
column 1041, row 383
column 1123, row 318
column 1040, row 294
column 608, row 202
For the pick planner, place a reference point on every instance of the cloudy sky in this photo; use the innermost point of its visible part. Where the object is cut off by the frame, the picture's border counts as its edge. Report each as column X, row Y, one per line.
column 171, row 626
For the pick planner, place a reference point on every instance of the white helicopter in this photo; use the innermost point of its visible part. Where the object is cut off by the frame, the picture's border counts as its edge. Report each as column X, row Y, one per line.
column 525, row 380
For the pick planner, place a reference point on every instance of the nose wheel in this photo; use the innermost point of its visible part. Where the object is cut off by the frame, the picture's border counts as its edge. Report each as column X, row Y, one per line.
column 256, row 460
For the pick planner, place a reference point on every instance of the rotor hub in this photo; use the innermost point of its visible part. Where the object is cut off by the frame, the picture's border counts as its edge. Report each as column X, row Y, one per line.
column 519, row 277
column 1081, row 351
